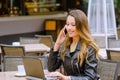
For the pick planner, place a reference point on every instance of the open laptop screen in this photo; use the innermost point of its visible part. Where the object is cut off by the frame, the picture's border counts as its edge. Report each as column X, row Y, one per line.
column 34, row 69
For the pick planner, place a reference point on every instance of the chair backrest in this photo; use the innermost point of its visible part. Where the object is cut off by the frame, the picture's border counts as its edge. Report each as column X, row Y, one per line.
column 11, row 63
column 11, row 57
column 108, row 69
column 10, row 50
column 113, row 54
column 46, row 39
column 29, row 40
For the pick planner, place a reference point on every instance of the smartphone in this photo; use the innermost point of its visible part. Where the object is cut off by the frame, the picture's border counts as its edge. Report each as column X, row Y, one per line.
column 65, row 31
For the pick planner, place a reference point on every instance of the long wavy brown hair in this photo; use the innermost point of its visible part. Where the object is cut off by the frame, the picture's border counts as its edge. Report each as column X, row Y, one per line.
column 85, row 36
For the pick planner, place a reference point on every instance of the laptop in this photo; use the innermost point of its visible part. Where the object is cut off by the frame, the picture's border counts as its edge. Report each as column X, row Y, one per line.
column 34, row 69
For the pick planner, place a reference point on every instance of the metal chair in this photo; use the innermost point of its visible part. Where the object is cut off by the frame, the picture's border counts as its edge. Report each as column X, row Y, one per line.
column 46, row 39
column 11, row 57
column 29, row 40
column 114, row 55
column 108, row 69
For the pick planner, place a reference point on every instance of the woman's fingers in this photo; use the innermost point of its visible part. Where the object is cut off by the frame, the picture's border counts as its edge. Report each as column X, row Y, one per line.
column 55, row 74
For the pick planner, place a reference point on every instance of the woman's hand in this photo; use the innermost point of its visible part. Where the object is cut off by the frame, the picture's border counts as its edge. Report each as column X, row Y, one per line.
column 59, row 76
column 60, row 39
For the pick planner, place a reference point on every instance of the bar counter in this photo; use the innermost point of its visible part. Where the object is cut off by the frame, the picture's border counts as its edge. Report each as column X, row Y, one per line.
column 25, row 24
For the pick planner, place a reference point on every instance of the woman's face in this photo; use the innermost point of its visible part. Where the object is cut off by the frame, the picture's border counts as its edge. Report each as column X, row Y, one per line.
column 71, row 27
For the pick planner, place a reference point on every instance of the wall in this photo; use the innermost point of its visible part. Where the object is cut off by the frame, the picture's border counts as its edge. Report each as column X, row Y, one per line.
column 23, row 25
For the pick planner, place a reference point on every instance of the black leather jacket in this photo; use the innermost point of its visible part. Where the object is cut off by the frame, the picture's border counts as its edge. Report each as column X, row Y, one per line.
column 88, row 71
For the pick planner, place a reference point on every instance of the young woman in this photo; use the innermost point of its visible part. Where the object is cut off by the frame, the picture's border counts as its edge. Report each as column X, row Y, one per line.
column 79, row 56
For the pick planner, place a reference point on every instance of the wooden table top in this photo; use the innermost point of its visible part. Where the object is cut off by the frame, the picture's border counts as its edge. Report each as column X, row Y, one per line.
column 35, row 47
column 10, row 75
column 113, row 49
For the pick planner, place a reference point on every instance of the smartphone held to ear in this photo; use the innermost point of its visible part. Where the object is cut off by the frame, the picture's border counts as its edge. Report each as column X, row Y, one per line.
column 65, row 31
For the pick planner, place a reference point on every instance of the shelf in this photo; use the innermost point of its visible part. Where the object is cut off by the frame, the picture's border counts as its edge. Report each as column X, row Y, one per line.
column 49, row 13
column 34, row 5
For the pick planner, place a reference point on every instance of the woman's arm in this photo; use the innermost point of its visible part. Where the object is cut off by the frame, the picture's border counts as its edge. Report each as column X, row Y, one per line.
column 54, row 61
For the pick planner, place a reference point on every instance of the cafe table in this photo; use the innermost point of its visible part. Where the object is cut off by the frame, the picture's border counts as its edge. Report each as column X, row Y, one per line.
column 113, row 49
column 113, row 53
column 103, row 53
column 10, row 75
column 35, row 47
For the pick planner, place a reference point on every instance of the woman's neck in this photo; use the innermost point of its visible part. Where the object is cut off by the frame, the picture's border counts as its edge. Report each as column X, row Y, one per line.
column 75, row 40
column 74, row 44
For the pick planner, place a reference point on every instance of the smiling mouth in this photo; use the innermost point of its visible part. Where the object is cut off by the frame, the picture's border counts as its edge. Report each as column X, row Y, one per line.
column 71, row 32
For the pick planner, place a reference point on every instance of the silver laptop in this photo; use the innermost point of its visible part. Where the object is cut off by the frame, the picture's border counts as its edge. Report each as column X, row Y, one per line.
column 34, row 69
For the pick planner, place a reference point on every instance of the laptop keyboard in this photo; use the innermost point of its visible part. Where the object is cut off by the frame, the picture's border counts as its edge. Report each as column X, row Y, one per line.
column 50, row 78
column 35, row 78
column 32, row 78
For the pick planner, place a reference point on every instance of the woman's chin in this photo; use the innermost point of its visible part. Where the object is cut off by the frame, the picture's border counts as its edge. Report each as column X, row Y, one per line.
column 70, row 36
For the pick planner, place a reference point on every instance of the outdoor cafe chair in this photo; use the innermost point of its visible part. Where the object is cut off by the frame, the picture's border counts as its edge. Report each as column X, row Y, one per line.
column 46, row 39
column 108, row 69
column 11, row 57
column 29, row 40
column 114, row 55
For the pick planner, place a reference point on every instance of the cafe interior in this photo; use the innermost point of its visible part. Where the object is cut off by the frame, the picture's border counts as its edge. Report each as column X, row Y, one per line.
column 29, row 29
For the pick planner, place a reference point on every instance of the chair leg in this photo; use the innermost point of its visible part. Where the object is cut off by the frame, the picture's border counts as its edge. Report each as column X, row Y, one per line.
column 2, row 65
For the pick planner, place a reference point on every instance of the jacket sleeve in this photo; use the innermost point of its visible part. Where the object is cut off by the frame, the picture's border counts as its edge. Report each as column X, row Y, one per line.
column 90, row 67
column 54, row 61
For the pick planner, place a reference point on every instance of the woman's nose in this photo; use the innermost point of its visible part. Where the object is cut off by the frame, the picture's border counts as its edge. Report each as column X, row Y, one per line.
column 69, row 26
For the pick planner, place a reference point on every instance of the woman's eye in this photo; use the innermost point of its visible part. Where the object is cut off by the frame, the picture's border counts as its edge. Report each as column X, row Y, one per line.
column 71, row 24
column 74, row 25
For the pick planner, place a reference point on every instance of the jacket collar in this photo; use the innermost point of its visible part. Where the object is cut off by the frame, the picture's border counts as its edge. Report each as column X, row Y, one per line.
column 77, row 49
column 78, row 46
